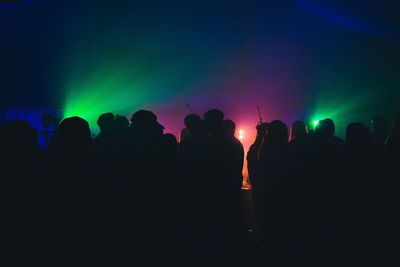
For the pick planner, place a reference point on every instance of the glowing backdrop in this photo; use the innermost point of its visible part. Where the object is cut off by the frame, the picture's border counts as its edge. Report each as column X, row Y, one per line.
column 295, row 59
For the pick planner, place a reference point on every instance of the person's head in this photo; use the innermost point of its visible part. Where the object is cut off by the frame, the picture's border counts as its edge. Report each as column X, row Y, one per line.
column 323, row 131
column 298, row 128
column 262, row 129
column 229, row 127
column 106, row 121
column 121, row 122
column 278, row 132
column 194, row 125
column 74, row 131
column 184, row 134
column 213, row 120
column 357, row 135
column 170, row 142
column 146, row 121
column 330, row 127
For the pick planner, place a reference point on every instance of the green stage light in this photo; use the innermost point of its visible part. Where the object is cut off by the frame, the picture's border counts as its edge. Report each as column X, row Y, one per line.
column 122, row 82
column 315, row 123
column 338, row 99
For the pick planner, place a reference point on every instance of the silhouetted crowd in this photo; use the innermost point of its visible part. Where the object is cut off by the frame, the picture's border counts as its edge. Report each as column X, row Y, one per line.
column 134, row 196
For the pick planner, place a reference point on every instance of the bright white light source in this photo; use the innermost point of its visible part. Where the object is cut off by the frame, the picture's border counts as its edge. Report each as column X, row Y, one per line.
column 241, row 134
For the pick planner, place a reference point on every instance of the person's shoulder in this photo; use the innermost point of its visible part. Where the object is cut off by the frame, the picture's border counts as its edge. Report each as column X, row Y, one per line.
column 238, row 145
column 252, row 147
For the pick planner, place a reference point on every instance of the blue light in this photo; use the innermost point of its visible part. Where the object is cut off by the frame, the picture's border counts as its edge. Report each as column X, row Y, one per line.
column 33, row 117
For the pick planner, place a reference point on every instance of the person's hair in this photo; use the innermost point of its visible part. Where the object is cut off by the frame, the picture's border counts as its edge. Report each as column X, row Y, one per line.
column 213, row 120
column 143, row 117
column 330, row 127
column 278, row 132
column 192, row 120
column 214, row 116
column 74, row 130
column 184, row 135
column 229, row 126
column 105, row 121
column 262, row 128
column 298, row 128
column 121, row 121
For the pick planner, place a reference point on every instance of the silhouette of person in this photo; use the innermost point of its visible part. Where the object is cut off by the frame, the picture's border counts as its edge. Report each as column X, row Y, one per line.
column 121, row 131
column 134, row 192
column 103, row 144
column 121, row 121
column 153, row 179
column 237, row 154
column 184, row 134
column 253, row 153
column 301, row 138
column 194, row 156
column 272, row 174
column 331, row 131
column 192, row 134
column 105, row 122
column 298, row 129
column 380, row 130
column 23, row 190
column 146, row 144
column 213, row 120
column 76, row 191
